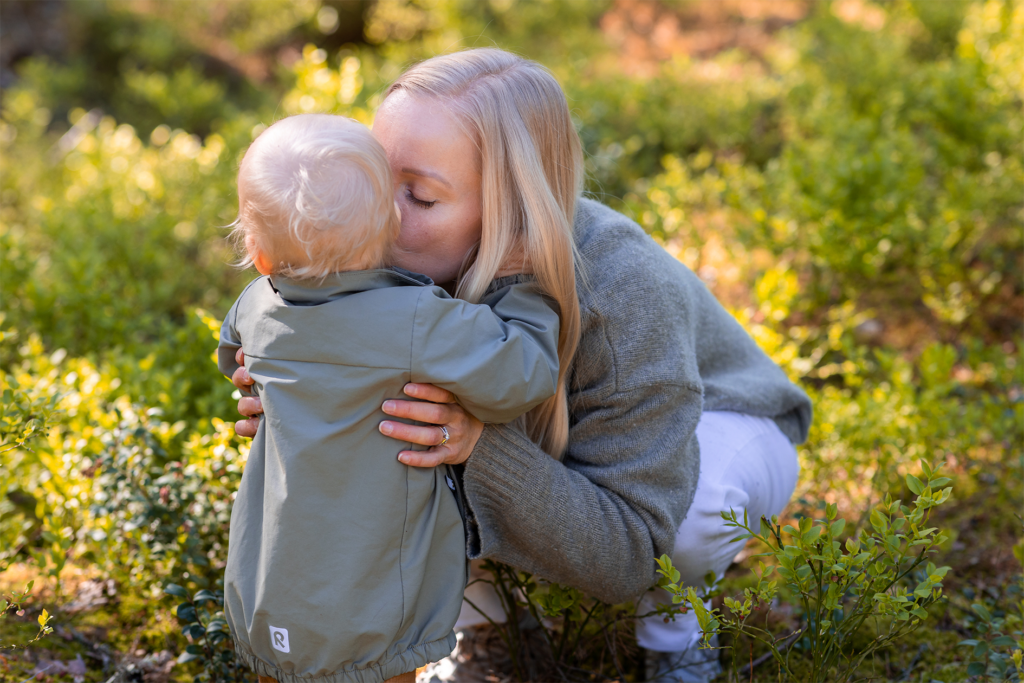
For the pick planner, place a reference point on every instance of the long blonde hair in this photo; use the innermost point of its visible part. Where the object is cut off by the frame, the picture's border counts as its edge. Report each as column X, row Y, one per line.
column 532, row 167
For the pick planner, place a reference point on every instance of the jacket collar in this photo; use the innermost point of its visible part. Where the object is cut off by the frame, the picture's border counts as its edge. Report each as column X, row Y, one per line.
column 336, row 285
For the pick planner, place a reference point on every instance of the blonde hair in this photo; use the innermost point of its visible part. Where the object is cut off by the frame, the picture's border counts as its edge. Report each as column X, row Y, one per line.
column 316, row 196
column 532, row 167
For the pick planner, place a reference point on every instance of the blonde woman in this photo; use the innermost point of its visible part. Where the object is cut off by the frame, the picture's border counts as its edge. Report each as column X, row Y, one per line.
column 667, row 411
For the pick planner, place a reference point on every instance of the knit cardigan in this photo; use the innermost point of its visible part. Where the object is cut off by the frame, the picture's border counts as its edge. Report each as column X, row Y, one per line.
column 656, row 350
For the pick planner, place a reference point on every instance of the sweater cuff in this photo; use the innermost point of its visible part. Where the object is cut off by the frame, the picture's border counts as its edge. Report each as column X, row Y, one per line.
column 493, row 478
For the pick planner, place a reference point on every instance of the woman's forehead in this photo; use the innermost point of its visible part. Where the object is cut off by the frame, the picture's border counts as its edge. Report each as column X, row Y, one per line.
column 420, row 133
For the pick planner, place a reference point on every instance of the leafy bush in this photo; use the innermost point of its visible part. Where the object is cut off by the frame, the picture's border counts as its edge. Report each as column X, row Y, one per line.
column 883, row 577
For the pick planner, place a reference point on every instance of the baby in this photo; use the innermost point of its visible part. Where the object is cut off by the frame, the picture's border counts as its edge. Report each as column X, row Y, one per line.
column 344, row 565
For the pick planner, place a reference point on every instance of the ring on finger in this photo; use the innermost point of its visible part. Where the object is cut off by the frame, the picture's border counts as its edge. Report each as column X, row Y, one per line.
column 444, row 435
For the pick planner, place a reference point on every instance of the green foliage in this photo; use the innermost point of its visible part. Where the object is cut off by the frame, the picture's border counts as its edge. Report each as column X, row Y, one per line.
column 206, row 628
column 13, row 604
column 579, row 633
column 897, row 181
column 881, row 574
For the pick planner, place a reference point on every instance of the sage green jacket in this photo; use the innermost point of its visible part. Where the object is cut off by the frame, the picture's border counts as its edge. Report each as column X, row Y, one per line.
column 344, row 565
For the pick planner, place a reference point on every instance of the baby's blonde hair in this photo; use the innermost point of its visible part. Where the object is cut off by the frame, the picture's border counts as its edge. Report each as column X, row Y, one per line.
column 316, row 196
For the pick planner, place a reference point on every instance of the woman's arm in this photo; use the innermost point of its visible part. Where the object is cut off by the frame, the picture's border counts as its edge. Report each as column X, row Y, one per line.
column 595, row 521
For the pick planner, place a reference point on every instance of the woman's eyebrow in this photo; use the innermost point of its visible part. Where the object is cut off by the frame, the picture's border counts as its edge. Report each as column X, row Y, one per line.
column 427, row 174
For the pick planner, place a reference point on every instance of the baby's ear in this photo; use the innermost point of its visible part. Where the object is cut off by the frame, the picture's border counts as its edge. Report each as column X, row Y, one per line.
column 259, row 259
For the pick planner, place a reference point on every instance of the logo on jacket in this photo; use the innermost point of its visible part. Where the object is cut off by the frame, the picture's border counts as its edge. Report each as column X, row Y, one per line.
column 279, row 639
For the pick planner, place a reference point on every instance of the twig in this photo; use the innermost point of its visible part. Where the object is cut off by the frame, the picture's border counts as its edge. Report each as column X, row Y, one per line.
column 790, row 640
column 913, row 663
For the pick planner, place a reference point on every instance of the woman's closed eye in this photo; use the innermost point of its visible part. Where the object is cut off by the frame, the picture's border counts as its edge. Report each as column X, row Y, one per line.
column 417, row 201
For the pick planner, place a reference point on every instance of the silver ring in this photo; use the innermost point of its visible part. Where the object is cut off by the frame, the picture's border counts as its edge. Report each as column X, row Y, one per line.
column 444, row 433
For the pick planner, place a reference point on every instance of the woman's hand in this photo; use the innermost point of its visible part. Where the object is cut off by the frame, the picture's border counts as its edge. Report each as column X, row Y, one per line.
column 436, row 407
column 249, row 406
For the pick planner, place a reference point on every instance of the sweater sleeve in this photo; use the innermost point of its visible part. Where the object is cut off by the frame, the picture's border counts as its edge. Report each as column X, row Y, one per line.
column 597, row 519
column 499, row 357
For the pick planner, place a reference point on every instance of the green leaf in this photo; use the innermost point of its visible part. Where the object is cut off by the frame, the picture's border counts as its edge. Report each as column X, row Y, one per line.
column 982, row 612
column 976, row 669
column 186, row 657
column 914, row 484
column 186, row 613
column 1004, row 641
column 980, row 649
column 811, row 535
column 175, row 590
column 837, row 527
column 204, row 596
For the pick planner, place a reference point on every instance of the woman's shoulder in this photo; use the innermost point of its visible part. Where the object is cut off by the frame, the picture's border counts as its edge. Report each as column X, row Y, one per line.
column 598, row 227
column 617, row 255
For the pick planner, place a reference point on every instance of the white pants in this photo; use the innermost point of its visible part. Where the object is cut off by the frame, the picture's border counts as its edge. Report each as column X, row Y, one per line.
column 747, row 464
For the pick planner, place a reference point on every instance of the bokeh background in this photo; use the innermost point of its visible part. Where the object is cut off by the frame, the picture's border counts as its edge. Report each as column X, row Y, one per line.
column 847, row 177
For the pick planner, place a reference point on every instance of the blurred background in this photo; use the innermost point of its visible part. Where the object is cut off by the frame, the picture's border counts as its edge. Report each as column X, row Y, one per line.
column 846, row 176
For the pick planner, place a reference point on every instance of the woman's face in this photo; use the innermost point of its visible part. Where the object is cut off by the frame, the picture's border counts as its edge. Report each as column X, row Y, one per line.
column 437, row 184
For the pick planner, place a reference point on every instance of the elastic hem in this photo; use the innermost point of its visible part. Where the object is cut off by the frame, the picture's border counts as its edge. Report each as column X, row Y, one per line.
column 377, row 672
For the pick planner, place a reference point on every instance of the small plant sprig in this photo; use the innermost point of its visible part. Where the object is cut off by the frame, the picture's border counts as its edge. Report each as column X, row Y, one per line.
column 24, row 414
column 13, row 603
column 882, row 575
column 204, row 625
column 999, row 634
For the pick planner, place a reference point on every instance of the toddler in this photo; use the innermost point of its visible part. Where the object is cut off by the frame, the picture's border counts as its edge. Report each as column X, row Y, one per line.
column 344, row 565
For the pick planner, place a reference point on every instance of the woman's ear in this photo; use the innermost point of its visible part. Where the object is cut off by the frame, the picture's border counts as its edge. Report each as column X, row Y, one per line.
column 259, row 259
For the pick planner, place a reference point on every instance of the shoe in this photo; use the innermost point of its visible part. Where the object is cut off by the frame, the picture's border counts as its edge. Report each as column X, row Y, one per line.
column 692, row 665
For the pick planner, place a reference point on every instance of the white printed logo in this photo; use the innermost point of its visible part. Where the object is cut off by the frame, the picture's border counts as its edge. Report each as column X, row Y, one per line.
column 279, row 639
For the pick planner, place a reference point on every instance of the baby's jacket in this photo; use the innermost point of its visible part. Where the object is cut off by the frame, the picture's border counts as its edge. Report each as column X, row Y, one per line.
column 344, row 565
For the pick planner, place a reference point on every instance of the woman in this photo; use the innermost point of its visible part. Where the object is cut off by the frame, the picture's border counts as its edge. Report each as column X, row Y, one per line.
column 668, row 414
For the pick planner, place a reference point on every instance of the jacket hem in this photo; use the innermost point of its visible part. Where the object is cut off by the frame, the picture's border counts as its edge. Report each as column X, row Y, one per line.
column 376, row 672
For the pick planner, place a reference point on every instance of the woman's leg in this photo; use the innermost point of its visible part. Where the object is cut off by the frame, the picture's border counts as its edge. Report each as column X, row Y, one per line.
column 746, row 464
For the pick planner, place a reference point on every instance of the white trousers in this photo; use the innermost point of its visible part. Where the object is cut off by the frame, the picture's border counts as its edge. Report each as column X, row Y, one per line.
column 746, row 464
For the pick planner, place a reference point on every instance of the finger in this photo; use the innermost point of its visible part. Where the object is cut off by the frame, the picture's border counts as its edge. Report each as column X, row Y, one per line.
column 428, row 392
column 432, row 413
column 424, row 436
column 250, row 406
column 241, row 379
column 432, row 458
column 240, row 357
column 247, row 428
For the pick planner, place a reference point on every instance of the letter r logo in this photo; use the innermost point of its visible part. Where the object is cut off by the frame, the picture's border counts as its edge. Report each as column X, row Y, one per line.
column 279, row 639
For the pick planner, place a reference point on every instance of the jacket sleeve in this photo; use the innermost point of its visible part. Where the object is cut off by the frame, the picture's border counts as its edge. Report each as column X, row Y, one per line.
column 499, row 357
column 230, row 342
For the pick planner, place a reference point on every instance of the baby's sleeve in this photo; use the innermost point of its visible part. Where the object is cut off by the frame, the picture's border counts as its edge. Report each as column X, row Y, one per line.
column 500, row 358
column 230, row 342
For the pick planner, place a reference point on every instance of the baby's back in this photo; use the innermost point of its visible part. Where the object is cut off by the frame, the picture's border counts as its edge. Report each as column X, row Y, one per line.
column 343, row 563
column 357, row 557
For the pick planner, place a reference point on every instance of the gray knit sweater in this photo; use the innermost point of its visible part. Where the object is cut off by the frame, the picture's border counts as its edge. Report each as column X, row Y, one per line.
column 656, row 350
